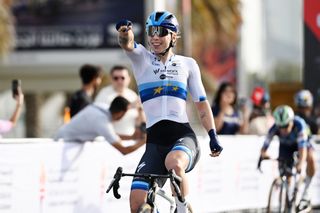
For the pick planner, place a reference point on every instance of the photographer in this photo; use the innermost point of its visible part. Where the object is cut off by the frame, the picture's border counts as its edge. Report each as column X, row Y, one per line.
column 7, row 125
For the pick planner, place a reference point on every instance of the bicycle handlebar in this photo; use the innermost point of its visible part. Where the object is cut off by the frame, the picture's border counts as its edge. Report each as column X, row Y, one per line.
column 174, row 179
column 259, row 162
column 284, row 164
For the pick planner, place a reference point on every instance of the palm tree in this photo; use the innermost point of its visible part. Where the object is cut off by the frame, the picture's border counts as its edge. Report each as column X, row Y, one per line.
column 6, row 28
column 215, row 26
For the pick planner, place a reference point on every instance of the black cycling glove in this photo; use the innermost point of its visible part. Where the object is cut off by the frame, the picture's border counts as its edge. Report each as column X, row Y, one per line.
column 123, row 22
column 214, row 143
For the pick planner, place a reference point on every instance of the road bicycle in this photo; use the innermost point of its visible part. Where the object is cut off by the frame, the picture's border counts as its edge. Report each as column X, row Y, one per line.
column 150, row 205
column 281, row 198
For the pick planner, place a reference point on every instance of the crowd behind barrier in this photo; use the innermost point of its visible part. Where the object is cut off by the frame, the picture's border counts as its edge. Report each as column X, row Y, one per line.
column 40, row 175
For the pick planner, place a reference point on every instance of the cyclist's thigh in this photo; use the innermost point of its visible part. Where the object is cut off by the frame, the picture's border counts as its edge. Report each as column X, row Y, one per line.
column 189, row 145
column 152, row 162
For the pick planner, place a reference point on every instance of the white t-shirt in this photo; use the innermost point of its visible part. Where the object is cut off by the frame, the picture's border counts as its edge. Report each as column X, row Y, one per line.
column 91, row 122
column 163, row 88
column 260, row 125
column 107, row 94
column 126, row 125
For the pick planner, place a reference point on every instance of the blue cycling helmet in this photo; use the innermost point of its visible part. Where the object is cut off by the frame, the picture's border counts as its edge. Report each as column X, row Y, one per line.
column 164, row 19
column 303, row 98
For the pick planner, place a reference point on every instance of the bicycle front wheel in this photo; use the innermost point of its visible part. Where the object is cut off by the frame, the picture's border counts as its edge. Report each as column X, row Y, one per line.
column 145, row 208
column 277, row 201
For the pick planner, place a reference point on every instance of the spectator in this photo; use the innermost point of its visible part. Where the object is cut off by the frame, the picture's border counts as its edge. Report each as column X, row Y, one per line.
column 317, row 115
column 120, row 80
column 228, row 119
column 7, row 125
column 261, row 118
column 304, row 104
column 91, row 78
column 95, row 120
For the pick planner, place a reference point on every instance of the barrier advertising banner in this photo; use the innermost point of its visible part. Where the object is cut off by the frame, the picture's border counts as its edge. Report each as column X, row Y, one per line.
column 51, row 177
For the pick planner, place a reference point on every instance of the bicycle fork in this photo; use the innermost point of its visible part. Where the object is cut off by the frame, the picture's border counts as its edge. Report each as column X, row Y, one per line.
column 172, row 202
column 151, row 198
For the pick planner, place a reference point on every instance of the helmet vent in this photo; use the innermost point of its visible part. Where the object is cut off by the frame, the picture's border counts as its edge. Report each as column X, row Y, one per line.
column 158, row 15
column 282, row 115
column 169, row 17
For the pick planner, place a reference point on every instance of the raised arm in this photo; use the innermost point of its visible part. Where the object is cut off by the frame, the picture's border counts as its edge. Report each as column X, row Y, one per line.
column 16, row 114
column 125, row 35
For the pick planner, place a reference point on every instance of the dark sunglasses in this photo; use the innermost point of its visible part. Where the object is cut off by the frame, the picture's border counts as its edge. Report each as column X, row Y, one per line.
column 283, row 127
column 116, row 78
column 160, row 31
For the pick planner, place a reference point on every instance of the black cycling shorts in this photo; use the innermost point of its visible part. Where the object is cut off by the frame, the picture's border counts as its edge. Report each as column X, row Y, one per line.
column 287, row 152
column 163, row 137
column 286, row 156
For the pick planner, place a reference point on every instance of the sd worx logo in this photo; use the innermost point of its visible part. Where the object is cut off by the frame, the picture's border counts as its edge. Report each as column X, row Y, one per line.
column 156, row 71
column 168, row 71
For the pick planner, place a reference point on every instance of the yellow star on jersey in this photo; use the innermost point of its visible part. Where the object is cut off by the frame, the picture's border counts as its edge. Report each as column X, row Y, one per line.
column 169, row 84
column 175, row 88
column 157, row 90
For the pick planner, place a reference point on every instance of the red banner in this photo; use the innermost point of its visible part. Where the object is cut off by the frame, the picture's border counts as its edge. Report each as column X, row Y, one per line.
column 312, row 16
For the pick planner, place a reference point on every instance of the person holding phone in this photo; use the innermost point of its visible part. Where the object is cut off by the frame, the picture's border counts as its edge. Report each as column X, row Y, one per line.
column 229, row 119
column 7, row 125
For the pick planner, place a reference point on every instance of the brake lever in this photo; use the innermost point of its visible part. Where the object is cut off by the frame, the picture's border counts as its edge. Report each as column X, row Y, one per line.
column 110, row 185
column 177, row 178
column 115, row 183
column 175, row 181
column 259, row 164
column 115, row 190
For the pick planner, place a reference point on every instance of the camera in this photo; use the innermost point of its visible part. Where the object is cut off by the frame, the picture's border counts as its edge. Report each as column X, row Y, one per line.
column 16, row 87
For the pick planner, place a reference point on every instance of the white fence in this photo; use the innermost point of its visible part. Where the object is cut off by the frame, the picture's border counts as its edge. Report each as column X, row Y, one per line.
column 41, row 176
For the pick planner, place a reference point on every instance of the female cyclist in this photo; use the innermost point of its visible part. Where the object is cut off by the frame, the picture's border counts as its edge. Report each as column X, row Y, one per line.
column 164, row 79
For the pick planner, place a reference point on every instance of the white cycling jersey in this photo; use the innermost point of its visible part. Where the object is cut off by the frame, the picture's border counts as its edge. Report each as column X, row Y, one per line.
column 163, row 88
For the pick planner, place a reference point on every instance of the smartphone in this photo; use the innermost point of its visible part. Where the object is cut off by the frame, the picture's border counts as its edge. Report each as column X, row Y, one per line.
column 15, row 86
column 242, row 102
